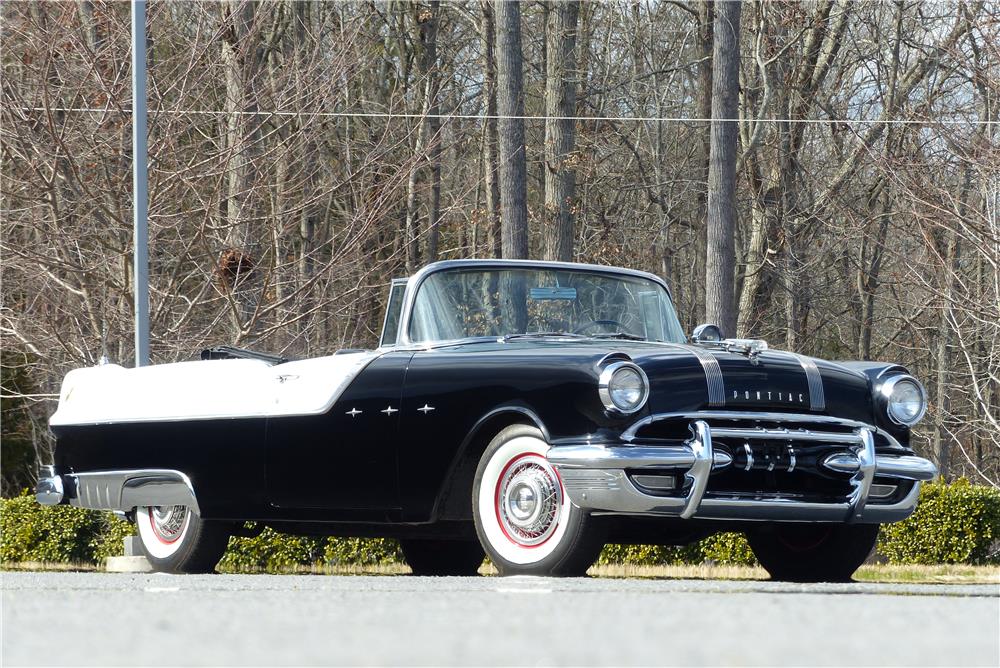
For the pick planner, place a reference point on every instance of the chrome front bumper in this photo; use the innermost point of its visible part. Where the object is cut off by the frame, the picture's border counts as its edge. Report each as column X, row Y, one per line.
column 596, row 477
column 116, row 490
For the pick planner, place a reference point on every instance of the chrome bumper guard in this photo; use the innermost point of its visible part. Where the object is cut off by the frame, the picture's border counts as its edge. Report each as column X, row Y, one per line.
column 595, row 477
column 116, row 490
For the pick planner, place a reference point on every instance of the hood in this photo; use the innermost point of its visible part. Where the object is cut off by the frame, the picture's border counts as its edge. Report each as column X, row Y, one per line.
column 687, row 377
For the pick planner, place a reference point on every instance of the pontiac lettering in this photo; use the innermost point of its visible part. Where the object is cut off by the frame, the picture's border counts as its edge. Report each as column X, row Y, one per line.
column 757, row 395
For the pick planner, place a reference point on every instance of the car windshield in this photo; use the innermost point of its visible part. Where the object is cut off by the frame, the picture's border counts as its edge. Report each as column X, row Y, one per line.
column 514, row 303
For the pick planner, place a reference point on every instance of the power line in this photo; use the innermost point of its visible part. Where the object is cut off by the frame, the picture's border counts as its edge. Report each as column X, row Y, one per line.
column 481, row 117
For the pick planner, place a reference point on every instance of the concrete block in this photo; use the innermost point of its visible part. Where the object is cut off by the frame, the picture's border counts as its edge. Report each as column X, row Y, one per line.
column 128, row 565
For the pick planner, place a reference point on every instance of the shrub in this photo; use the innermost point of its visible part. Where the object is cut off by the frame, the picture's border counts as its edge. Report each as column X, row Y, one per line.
column 721, row 548
column 32, row 532
column 651, row 555
column 953, row 524
column 272, row 552
column 729, row 549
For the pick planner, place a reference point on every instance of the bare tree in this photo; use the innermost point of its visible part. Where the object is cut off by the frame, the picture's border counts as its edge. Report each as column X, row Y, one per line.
column 510, row 105
column 720, row 262
column 490, row 134
column 560, row 106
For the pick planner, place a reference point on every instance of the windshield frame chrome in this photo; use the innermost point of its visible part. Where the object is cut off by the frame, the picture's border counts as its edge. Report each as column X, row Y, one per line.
column 414, row 282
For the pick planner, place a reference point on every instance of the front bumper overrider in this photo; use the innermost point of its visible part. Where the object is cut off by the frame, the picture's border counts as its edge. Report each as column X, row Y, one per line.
column 599, row 477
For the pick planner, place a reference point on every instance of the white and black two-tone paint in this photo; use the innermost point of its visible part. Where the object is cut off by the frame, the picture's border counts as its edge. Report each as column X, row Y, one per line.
column 534, row 410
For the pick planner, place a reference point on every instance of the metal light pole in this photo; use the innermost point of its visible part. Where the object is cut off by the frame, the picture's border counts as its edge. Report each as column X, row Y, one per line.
column 140, row 193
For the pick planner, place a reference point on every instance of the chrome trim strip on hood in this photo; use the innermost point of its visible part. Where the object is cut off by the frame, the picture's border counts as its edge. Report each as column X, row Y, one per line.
column 817, row 397
column 713, row 375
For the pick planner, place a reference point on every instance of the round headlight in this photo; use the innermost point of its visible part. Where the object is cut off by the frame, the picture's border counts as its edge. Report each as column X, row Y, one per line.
column 623, row 387
column 905, row 400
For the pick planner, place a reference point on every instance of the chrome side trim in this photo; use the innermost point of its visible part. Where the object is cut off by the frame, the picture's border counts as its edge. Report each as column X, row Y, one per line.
column 125, row 490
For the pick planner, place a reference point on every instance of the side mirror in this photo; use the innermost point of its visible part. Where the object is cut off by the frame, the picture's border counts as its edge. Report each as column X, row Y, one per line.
column 707, row 333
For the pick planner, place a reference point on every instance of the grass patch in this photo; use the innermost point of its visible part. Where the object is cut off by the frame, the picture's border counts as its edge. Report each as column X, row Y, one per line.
column 929, row 574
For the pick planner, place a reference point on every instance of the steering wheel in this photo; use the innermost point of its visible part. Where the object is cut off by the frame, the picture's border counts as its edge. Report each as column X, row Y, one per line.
column 582, row 329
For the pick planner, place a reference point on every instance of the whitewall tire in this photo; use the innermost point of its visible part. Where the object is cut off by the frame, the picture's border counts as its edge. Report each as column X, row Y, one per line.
column 176, row 540
column 524, row 520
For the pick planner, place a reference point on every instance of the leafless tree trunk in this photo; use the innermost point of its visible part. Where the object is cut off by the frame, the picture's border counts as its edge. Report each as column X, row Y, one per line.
column 510, row 104
column 427, row 140
column 721, row 252
column 491, row 172
column 706, row 28
column 560, row 103
column 241, row 264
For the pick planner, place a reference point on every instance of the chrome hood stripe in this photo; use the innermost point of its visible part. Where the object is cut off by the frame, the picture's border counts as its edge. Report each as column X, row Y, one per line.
column 713, row 375
column 817, row 397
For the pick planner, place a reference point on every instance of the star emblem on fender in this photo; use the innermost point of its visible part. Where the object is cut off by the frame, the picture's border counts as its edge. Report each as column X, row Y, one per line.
column 425, row 409
column 389, row 410
column 354, row 412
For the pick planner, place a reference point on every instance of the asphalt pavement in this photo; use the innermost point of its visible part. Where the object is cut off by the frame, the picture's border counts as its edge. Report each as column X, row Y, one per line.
column 84, row 619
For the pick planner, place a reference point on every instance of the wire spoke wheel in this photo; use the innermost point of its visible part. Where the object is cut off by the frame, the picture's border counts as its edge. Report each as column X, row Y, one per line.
column 528, row 499
column 524, row 519
column 168, row 522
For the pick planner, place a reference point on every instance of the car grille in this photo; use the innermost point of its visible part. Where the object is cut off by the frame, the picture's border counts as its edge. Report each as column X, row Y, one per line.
column 780, row 458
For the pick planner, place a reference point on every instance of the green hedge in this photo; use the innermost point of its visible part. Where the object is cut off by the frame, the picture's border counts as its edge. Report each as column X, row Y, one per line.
column 956, row 523
column 953, row 524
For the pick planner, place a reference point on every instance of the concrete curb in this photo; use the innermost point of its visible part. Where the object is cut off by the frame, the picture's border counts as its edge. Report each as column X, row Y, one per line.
column 128, row 565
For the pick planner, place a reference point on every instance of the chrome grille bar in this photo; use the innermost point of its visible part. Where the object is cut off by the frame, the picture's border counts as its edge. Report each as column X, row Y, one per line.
column 785, row 435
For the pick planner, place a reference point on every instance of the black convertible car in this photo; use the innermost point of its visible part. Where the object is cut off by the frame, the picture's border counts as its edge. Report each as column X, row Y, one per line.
column 534, row 410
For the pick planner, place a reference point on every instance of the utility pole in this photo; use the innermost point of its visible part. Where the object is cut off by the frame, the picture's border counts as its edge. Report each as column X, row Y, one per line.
column 140, row 178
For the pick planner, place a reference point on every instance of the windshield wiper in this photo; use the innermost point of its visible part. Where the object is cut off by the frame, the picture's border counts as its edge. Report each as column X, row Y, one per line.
column 618, row 335
column 531, row 335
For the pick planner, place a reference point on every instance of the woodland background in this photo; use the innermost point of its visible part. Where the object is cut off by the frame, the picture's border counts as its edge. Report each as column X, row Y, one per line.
column 304, row 153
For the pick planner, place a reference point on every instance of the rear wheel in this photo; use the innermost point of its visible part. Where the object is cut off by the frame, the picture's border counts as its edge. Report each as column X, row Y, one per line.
column 443, row 557
column 813, row 552
column 524, row 520
column 176, row 540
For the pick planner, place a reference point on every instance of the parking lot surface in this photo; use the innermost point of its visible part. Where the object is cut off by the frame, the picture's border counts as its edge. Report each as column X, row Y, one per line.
column 117, row 619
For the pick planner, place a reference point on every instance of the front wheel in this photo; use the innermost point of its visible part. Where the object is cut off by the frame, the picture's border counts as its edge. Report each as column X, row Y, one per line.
column 176, row 540
column 524, row 520
column 813, row 552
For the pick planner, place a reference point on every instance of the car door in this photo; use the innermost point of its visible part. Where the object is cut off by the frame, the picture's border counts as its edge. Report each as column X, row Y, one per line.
column 444, row 396
column 344, row 459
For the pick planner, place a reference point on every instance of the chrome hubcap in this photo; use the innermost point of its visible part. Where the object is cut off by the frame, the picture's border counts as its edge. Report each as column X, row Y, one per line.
column 167, row 522
column 529, row 498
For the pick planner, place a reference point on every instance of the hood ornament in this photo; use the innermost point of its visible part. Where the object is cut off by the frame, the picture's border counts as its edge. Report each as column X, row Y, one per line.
column 710, row 336
column 752, row 348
